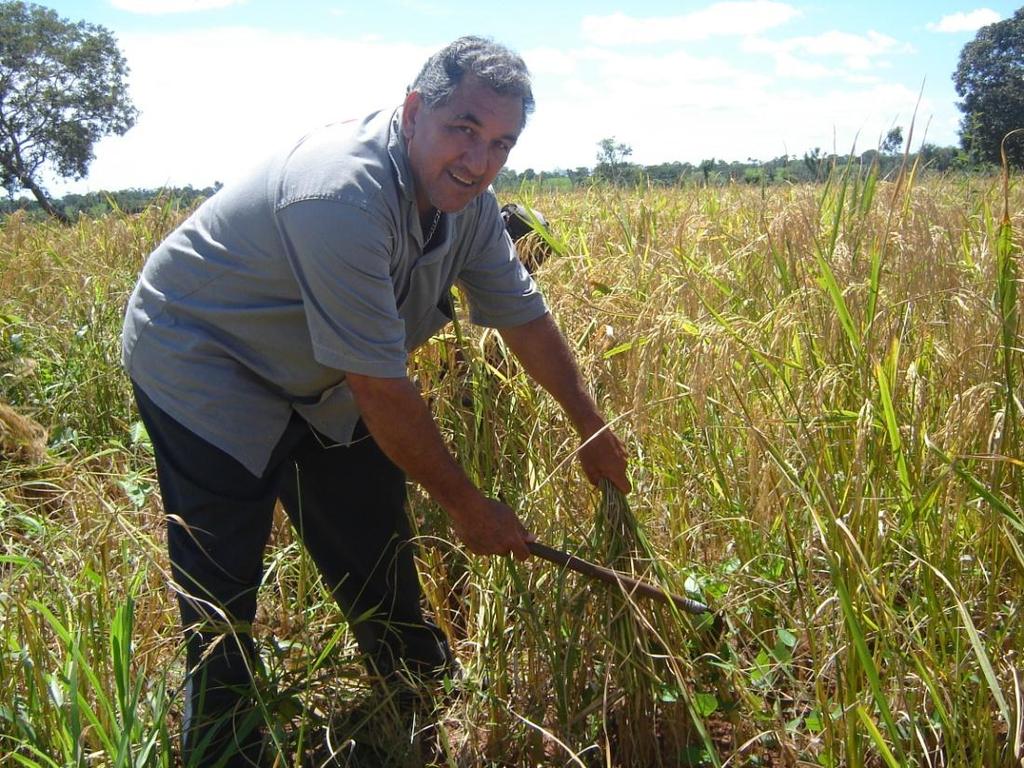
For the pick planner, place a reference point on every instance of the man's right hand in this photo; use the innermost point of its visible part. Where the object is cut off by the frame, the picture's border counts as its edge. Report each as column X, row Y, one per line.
column 400, row 422
column 489, row 527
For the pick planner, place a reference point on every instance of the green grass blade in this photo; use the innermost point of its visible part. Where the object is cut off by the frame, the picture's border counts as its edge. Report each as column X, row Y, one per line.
column 892, row 428
column 868, row 193
column 1000, row 506
column 977, row 646
column 874, row 282
column 867, row 661
column 1006, row 300
column 831, row 285
column 876, row 737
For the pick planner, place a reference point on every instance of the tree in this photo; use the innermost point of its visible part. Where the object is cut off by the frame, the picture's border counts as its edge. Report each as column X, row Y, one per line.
column 706, row 167
column 506, row 179
column 612, row 164
column 579, row 175
column 666, row 174
column 814, row 162
column 990, row 80
column 939, row 159
column 893, row 142
column 62, row 88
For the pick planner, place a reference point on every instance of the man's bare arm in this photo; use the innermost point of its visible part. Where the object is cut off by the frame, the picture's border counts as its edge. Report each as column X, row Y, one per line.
column 400, row 422
column 546, row 356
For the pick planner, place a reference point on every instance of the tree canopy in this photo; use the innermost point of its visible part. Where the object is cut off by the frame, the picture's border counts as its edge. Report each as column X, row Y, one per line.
column 893, row 142
column 62, row 88
column 990, row 80
column 612, row 163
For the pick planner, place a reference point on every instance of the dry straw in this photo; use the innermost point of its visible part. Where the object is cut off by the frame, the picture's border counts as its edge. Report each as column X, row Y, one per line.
column 22, row 440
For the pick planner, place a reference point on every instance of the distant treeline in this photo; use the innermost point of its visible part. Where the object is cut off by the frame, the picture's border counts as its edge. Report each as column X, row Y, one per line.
column 812, row 166
column 126, row 200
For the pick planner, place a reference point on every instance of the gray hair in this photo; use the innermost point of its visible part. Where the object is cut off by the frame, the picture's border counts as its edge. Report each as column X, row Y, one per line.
column 498, row 67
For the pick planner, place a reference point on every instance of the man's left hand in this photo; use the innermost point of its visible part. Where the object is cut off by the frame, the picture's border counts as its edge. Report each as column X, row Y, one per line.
column 603, row 455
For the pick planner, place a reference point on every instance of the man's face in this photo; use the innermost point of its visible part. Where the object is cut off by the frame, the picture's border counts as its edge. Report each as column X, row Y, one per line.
column 456, row 149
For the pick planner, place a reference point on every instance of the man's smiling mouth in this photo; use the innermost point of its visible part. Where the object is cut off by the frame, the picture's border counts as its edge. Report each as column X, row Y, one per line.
column 461, row 181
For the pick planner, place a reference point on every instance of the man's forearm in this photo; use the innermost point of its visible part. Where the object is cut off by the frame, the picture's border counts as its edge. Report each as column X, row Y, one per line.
column 400, row 422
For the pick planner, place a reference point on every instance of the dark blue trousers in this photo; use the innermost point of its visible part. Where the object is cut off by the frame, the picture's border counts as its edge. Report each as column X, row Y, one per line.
column 347, row 504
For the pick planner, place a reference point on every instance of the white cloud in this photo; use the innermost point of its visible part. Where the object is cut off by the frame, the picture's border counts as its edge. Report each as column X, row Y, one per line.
column 965, row 21
column 667, row 108
column 243, row 93
column 549, row 61
column 791, row 67
column 215, row 112
column 858, row 53
column 734, row 19
column 155, row 7
column 671, row 72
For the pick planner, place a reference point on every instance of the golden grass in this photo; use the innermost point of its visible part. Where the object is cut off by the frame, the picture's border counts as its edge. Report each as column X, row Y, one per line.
column 820, row 387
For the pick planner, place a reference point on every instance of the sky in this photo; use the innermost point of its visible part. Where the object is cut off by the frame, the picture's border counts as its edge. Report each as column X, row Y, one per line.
column 221, row 83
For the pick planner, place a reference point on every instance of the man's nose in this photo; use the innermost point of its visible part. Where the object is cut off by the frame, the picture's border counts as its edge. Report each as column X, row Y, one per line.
column 475, row 158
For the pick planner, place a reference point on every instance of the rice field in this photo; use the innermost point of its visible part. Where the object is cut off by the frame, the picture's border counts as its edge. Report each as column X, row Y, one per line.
column 820, row 386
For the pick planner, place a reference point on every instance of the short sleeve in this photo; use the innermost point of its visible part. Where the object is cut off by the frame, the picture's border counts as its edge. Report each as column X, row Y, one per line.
column 501, row 293
column 340, row 255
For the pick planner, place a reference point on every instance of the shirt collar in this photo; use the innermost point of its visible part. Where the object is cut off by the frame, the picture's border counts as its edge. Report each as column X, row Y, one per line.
column 399, row 154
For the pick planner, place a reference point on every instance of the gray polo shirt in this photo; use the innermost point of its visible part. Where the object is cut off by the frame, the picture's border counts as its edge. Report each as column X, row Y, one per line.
column 312, row 266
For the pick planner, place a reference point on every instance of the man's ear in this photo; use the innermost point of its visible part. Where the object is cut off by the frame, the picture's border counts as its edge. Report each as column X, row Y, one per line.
column 410, row 111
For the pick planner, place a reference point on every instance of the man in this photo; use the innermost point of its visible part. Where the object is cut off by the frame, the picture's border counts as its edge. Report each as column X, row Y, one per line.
column 267, row 342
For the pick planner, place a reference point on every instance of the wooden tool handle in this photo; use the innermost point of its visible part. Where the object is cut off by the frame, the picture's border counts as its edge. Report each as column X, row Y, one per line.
column 609, row 576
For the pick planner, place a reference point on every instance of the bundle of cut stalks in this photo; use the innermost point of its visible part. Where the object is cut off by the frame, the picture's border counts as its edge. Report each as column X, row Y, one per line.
column 22, row 440
column 644, row 723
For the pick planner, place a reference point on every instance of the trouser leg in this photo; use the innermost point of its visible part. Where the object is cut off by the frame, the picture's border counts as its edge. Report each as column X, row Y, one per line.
column 348, row 505
column 218, row 521
column 216, row 560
